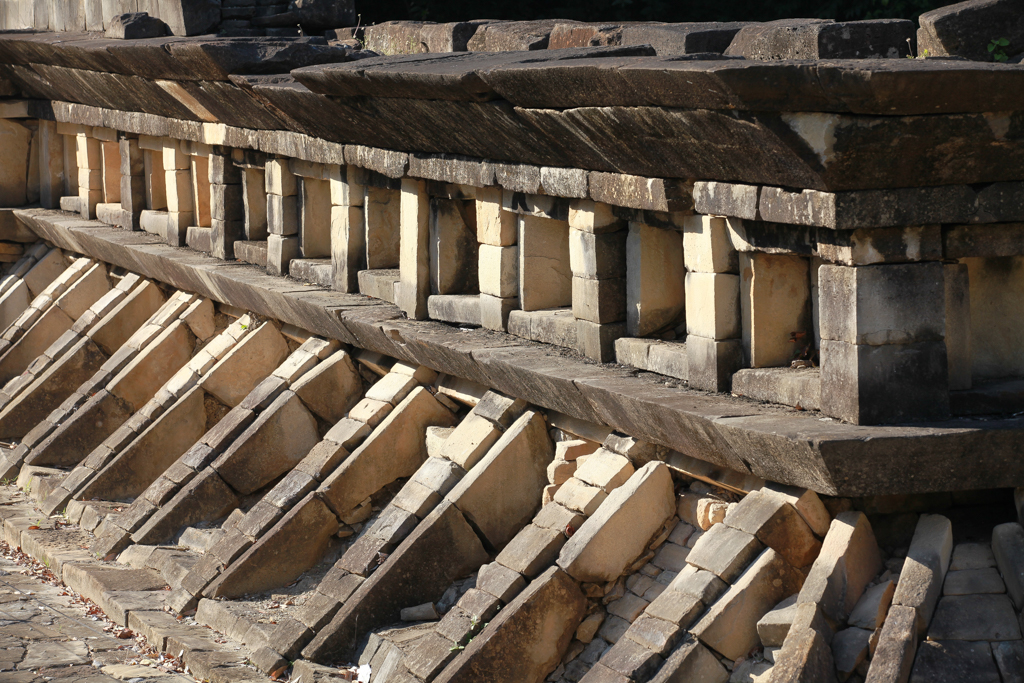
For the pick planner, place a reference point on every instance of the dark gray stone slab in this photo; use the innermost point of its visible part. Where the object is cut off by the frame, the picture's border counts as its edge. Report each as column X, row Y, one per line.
column 682, row 38
column 965, row 29
column 824, row 39
column 974, row 617
column 951, row 660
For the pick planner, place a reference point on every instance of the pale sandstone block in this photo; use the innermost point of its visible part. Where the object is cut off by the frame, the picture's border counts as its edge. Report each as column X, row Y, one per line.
column 282, row 215
column 774, row 296
column 924, row 569
column 346, row 190
column 580, row 497
column 849, row 558
column 605, row 470
column 712, row 305
column 45, row 271
column 724, row 552
column 470, row 441
column 613, row 537
column 392, row 388
column 655, row 297
column 707, row 247
column 593, row 217
column 870, row 611
column 245, row 364
column 179, row 191
column 111, row 153
column 331, row 388
column 200, row 171
column 90, row 179
column 559, row 471
column 89, row 152
column 807, row 503
column 279, row 178
column 199, row 318
column 730, row 625
column 370, row 411
column 382, row 218
column 499, row 270
column 154, row 365
column 414, row 257
column 776, row 523
column 545, row 280
column 85, row 292
column 494, row 226
column 254, row 201
column 453, row 248
column 348, row 246
column 574, row 448
column 315, row 222
column 516, row 466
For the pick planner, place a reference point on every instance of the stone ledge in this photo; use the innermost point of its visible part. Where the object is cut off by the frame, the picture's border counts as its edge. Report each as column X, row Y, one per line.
column 771, row 442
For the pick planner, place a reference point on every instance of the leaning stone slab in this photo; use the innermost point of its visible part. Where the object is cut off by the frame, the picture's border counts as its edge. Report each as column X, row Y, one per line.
column 724, row 551
column 965, row 29
column 805, row 657
column 1008, row 548
column 614, row 536
column 730, row 625
column 528, row 637
column 849, row 558
column 691, row 661
column 501, row 493
column 924, row 569
column 396, row 448
column 777, row 524
column 443, row 548
column 897, row 645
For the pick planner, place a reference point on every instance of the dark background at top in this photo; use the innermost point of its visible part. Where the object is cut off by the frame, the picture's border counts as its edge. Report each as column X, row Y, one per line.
column 376, row 11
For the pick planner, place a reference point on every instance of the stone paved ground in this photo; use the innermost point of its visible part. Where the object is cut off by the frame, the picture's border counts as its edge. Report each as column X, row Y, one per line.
column 48, row 633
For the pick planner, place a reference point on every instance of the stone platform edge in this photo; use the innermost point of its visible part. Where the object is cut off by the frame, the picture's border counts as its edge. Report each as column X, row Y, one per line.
column 772, row 442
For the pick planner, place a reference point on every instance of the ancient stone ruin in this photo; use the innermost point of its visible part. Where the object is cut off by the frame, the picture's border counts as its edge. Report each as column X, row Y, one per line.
column 519, row 351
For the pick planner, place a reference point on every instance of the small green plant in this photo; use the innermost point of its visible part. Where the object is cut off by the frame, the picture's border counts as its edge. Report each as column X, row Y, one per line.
column 996, row 47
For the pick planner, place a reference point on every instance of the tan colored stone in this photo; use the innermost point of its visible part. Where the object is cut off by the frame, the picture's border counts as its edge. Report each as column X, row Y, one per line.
column 897, row 645
column 331, row 388
column 924, row 569
column 774, row 295
column 15, row 141
column 279, row 438
column 371, row 412
column 655, row 297
column 807, row 503
column 86, row 291
column 493, row 225
column 849, row 558
column 315, row 221
column 870, row 610
column 382, row 212
column 777, row 524
column 199, row 318
column 605, row 469
column 712, row 305
column 559, row 471
column 707, row 246
column 470, row 441
column 582, row 498
column 498, row 269
column 724, row 551
column 730, row 625
column 154, row 365
column 13, row 302
column 503, row 491
column 392, row 388
column 395, row 449
column 528, row 637
column 45, row 271
column 545, row 280
column 613, row 537
column 572, row 449
column 593, row 217
column 245, row 365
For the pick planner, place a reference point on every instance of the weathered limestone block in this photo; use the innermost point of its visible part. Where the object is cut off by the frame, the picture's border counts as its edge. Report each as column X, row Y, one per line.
column 46, row 329
column 278, row 439
column 806, row 656
column 774, row 307
column 730, row 625
column 713, row 305
column 494, row 226
column 331, row 388
column 613, row 537
column 154, row 365
column 85, row 429
column 707, row 247
column 46, row 270
column 204, row 498
column 470, row 441
column 725, row 552
column 15, row 163
column 315, row 219
column 246, row 364
column 414, row 256
column 545, row 279
column 502, row 491
column 453, row 248
column 777, row 524
column 726, row 199
column 924, row 569
column 348, row 246
column 292, row 546
column 415, row 573
column 395, row 449
column 382, row 218
column 897, row 645
column 655, row 275
column 513, row 647
column 849, row 558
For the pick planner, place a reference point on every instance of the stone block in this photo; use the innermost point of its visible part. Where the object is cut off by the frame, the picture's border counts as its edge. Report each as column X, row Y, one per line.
column 315, row 219
column 870, row 610
column 725, row 552
column 973, row 582
column 597, row 256
column 531, row 550
column 545, row 279
column 613, row 537
column 499, row 270
column 960, row 29
column 348, row 246
column 518, row 460
column 774, row 306
column 282, row 215
column 381, row 219
column 453, row 248
column 958, row 325
column 924, row 569
column 952, row 660
column 730, row 625
column 1008, row 549
column 245, row 364
column 280, row 252
column 279, row 178
column 776, row 524
column 887, row 384
column 975, row 618
column 848, row 560
column 1009, row 656
column 655, row 276
column 995, row 286
column 599, row 301
column 876, row 305
column 500, row 581
column 605, row 470
column 414, row 257
column 395, row 449
column 712, row 305
column 470, row 441
column 691, row 661
column 506, row 642
column 806, row 656
column 823, row 39
column 707, row 247
column 726, row 199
